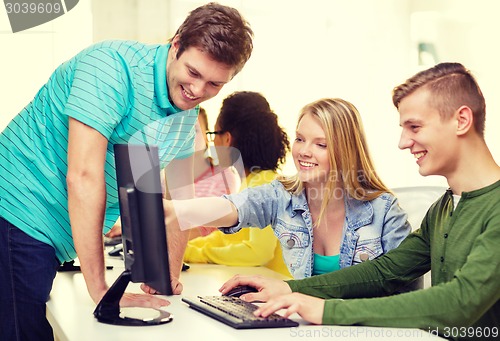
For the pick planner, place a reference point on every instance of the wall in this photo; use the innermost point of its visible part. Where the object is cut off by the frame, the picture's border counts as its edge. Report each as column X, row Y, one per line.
column 28, row 57
column 468, row 34
column 354, row 49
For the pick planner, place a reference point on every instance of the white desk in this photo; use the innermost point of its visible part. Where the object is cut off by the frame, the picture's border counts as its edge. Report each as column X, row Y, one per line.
column 70, row 312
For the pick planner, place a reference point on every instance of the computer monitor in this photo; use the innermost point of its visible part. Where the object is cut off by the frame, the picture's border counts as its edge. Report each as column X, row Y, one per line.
column 143, row 232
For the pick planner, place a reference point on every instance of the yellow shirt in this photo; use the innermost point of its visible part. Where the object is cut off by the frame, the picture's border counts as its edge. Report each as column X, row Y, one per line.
column 248, row 247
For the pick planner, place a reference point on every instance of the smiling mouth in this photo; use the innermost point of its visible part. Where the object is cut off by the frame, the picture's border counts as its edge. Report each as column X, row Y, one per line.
column 307, row 164
column 187, row 95
column 419, row 155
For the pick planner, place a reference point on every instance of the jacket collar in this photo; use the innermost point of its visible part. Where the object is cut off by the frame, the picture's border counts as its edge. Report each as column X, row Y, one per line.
column 299, row 203
column 358, row 213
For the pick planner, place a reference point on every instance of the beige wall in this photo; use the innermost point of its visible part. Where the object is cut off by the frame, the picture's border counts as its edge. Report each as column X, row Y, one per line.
column 27, row 58
column 354, row 49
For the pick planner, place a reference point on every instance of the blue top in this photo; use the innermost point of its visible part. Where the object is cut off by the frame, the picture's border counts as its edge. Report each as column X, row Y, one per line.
column 325, row 264
column 371, row 228
column 119, row 88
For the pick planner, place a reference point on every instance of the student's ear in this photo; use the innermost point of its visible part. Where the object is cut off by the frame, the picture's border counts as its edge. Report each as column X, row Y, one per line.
column 174, row 46
column 465, row 120
column 227, row 138
column 175, row 41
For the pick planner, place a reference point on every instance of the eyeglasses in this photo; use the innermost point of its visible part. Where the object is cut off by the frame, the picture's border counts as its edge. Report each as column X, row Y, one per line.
column 211, row 134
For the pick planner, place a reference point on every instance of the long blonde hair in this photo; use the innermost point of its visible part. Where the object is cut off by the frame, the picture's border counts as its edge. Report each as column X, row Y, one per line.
column 350, row 161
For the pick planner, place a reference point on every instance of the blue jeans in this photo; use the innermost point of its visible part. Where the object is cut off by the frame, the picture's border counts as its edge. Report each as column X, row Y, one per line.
column 27, row 271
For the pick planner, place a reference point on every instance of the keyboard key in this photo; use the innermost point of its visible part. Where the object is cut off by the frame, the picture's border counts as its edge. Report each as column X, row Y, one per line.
column 236, row 312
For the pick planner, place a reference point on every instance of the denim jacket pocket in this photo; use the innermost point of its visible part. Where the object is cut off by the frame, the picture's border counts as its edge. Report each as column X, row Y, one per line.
column 296, row 247
column 292, row 236
column 367, row 249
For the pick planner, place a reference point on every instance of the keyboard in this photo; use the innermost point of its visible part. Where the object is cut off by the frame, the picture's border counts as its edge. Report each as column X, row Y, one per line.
column 236, row 313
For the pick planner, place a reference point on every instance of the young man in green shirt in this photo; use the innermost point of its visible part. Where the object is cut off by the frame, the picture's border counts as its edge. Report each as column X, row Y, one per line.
column 442, row 115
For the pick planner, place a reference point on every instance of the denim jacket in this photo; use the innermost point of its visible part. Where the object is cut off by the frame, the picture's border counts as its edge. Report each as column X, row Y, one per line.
column 371, row 228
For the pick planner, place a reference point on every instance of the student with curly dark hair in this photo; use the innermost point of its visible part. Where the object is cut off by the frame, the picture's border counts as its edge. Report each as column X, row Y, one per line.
column 246, row 127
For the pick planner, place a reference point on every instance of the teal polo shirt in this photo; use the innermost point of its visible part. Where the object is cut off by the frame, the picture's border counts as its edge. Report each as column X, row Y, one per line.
column 118, row 88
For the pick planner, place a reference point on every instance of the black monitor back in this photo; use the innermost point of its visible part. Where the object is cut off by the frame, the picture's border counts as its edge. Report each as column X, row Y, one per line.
column 142, row 216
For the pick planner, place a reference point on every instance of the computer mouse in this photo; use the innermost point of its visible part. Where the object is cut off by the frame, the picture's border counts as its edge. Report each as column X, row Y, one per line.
column 116, row 251
column 240, row 290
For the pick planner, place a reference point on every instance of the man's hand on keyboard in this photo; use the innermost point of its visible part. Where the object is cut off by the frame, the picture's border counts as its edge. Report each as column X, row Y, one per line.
column 308, row 307
column 267, row 287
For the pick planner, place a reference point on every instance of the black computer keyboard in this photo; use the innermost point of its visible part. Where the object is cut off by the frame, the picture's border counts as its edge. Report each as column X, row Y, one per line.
column 236, row 313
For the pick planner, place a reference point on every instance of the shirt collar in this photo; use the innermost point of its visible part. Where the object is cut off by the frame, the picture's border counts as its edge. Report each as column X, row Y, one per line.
column 161, row 86
column 299, row 202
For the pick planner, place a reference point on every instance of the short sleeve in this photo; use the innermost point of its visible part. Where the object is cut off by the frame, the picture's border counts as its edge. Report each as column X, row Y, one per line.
column 100, row 90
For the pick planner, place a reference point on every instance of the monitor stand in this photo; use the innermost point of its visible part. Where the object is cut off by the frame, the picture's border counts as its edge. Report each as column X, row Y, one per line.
column 108, row 309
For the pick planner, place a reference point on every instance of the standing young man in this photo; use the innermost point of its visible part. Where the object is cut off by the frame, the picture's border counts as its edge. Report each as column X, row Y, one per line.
column 442, row 115
column 57, row 180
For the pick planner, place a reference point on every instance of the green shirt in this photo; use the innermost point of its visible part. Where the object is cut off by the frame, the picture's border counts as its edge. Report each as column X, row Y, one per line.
column 460, row 247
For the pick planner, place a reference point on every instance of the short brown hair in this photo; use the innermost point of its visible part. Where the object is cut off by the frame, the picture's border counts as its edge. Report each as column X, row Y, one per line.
column 451, row 86
column 218, row 30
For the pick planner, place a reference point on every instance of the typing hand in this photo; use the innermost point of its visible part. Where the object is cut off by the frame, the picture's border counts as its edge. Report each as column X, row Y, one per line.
column 308, row 307
column 267, row 287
